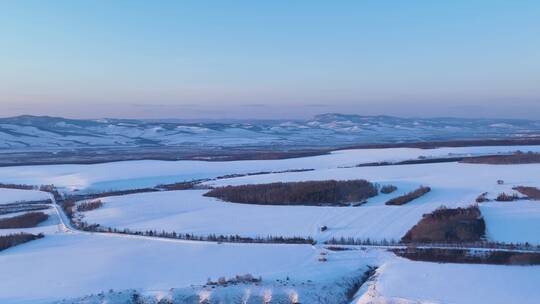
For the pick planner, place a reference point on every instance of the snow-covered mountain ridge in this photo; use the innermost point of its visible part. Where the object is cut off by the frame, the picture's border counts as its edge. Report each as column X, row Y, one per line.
column 322, row 130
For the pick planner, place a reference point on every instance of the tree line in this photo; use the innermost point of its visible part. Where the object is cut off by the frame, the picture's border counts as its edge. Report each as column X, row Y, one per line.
column 7, row 241
column 465, row 256
column 517, row 157
column 26, row 220
column 330, row 192
column 530, row 192
column 351, row 241
column 408, row 197
column 192, row 237
column 91, row 205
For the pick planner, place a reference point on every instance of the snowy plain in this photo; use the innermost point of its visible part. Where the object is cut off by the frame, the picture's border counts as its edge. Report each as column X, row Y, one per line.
column 400, row 281
column 70, row 265
column 146, row 173
column 48, row 226
column 187, row 211
column 9, row 196
column 453, row 185
column 74, row 264
column 512, row 222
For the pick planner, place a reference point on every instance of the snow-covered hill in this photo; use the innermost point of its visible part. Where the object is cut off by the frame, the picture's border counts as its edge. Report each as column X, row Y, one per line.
column 322, row 130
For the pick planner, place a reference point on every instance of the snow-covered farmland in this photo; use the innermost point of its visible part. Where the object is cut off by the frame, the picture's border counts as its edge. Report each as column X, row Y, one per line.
column 8, row 196
column 75, row 264
column 136, row 174
column 47, row 227
column 512, row 222
column 453, row 185
column 71, row 265
column 458, row 179
column 187, row 211
column 406, row 282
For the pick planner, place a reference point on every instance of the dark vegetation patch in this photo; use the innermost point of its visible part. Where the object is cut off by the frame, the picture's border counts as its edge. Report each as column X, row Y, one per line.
column 337, row 248
column 444, row 225
column 366, row 242
column 67, row 205
column 186, row 152
column 46, row 188
column 26, row 220
column 452, row 143
column 263, row 155
column 238, row 279
column 505, row 159
column 469, row 257
column 386, row 189
column 91, row 205
column 514, row 158
column 503, row 197
column 413, row 162
column 80, row 197
column 7, row 241
column 530, row 192
column 176, row 186
column 360, row 242
column 17, row 186
column 408, row 197
column 482, row 198
column 38, row 202
column 313, row 193
column 262, row 173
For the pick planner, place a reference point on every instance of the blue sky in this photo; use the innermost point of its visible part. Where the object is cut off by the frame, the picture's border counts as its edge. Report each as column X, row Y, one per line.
column 269, row 59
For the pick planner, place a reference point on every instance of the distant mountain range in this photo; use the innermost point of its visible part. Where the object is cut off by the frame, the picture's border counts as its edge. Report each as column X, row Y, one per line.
column 40, row 132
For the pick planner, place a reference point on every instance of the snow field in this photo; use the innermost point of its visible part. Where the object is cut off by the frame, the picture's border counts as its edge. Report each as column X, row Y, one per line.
column 8, row 196
column 146, row 173
column 67, row 265
column 49, row 226
column 188, row 211
column 71, row 265
column 453, row 185
column 512, row 222
column 402, row 281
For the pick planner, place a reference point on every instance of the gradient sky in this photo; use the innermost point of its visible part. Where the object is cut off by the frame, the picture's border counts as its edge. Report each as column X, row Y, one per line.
column 269, row 59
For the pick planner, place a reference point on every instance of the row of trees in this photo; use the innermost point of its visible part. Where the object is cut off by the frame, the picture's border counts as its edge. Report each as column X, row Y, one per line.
column 298, row 193
column 17, row 186
column 27, row 220
column 176, row 186
column 350, row 241
column 386, row 189
column 89, row 196
column 503, row 197
column 238, row 279
column 91, row 205
column 26, row 206
column 517, row 157
column 530, row 192
column 7, row 241
column 465, row 256
column 360, row 242
column 408, row 197
column 209, row 238
column 261, row 173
